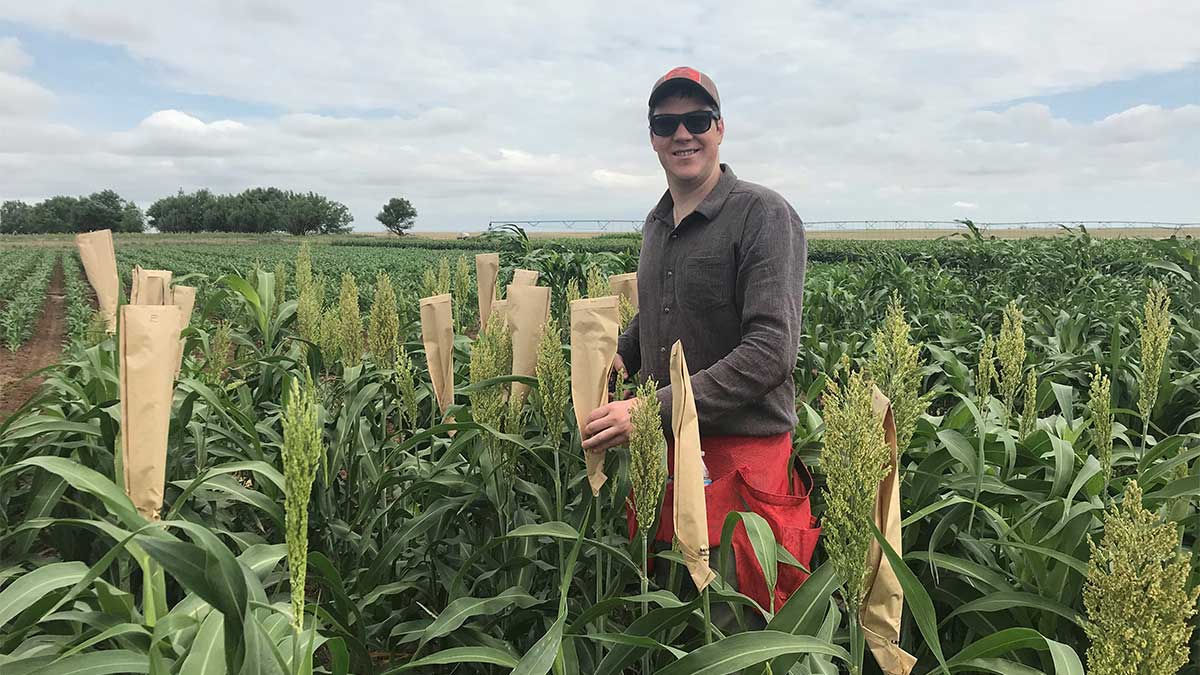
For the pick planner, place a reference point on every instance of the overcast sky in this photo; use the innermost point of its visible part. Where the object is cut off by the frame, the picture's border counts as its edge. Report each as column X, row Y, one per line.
column 528, row 110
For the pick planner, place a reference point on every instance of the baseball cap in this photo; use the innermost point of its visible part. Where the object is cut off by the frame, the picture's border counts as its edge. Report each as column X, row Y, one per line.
column 686, row 74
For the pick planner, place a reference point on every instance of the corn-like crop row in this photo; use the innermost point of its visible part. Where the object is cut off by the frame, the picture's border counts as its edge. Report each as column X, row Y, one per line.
column 26, row 294
column 79, row 306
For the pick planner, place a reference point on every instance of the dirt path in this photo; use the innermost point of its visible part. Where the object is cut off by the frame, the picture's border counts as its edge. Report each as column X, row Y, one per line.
column 43, row 349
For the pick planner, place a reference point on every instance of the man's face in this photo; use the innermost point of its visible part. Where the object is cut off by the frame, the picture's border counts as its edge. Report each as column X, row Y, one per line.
column 685, row 156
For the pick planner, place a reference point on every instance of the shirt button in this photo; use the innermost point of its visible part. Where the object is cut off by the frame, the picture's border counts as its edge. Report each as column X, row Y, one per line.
column 674, row 235
column 666, row 310
column 662, row 350
column 669, row 273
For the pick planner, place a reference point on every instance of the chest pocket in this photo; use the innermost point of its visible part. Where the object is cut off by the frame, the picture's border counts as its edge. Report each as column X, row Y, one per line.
column 705, row 284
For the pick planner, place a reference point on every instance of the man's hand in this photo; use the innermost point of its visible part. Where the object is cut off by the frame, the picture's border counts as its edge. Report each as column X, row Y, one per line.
column 608, row 426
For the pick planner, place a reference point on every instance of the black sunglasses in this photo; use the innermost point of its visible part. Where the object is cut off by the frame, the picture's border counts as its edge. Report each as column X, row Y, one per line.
column 696, row 122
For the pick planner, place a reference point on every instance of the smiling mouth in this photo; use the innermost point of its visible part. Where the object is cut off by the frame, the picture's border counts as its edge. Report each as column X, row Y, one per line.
column 685, row 153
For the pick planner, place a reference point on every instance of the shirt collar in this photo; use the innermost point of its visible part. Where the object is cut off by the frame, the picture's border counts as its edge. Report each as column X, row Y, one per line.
column 709, row 207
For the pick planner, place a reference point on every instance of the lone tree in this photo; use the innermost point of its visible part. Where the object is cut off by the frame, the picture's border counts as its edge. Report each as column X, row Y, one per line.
column 397, row 215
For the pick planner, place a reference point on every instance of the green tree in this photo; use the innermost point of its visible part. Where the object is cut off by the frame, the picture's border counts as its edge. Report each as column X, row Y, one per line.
column 397, row 215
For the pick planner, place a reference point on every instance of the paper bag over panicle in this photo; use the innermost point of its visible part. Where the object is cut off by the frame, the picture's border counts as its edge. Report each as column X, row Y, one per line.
column 528, row 310
column 487, row 269
column 594, row 324
column 625, row 285
column 437, row 332
column 880, row 614
column 689, row 507
column 150, row 287
column 149, row 348
column 100, row 264
column 183, row 297
column 524, row 278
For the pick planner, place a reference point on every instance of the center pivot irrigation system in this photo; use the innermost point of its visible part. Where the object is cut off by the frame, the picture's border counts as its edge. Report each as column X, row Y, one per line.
column 616, row 225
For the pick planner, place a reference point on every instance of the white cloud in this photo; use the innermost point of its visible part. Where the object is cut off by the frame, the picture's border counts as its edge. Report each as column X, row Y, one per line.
column 474, row 112
column 965, row 205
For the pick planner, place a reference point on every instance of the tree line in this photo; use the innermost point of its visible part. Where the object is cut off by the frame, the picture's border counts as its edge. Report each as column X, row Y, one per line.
column 258, row 210
column 98, row 211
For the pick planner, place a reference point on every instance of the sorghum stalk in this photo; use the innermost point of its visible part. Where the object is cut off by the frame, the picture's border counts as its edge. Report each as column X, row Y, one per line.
column 302, row 449
column 1100, row 407
column 1155, row 330
column 1010, row 349
column 350, row 321
column 385, row 321
column 855, row 461
column 895, row 366
column 1136, row 597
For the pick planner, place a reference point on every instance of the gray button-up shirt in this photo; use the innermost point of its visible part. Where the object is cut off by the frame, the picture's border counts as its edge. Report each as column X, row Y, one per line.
column 729, row 282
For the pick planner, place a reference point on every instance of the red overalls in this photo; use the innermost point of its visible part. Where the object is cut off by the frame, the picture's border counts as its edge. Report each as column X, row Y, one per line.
column 751, row 474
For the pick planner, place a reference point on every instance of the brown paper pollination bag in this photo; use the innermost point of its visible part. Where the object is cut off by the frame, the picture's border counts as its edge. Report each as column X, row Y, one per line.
column 150, row 287
column 100, row 264
column 528, row 309
column 437, row 332
column 524, row 278
column 885, row 599
column 594, row 324
column 183, row 297
column 149, row 346
column 625, row 285
column 691, row 516
column 487, row 269
column 500, row 309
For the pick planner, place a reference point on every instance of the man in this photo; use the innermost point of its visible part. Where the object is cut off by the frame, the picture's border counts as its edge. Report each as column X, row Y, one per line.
column 722, row 269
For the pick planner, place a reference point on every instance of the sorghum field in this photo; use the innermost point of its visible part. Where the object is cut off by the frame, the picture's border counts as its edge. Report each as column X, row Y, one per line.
column 321, row 514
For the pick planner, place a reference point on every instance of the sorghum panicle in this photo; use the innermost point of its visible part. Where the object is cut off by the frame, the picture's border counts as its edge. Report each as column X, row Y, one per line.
column 1010, row 349
column 1136, row 597
column 1029, row 412
column 627, row 312
column 385, row 321
column 464, row 294
column 986, row 372
column 895, row 366
column 302, row 450
column 443, row 276
column 854, row 461
column 597, row 283
column 280, row 284
column 647, row 455
column 1100, row 408
column 406, row 381
column 553, row 381
column 329, row 338
column 429, row 284
column 1155, row 330
column 350, row 321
